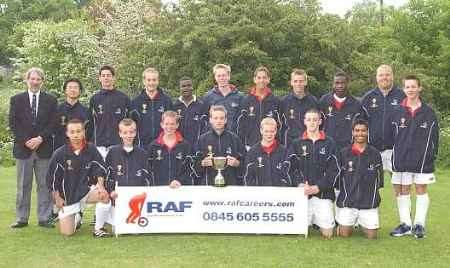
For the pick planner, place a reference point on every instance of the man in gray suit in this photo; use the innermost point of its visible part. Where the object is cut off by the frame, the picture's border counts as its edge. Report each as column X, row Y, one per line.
column 32, row 120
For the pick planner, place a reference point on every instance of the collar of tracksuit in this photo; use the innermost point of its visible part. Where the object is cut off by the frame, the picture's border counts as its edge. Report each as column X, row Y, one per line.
column 266, row 92
column 322, row 136
column 178, row 139
column 233, row 90
column 83, row 146
column 271, row 148
column 356, row 151
column 412, row 112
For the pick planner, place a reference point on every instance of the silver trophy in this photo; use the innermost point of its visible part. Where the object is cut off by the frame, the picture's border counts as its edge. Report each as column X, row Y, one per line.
column 219, row 164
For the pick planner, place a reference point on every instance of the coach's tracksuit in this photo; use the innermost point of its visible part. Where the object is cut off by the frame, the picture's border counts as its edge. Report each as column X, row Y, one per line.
column 339, row 118
column 314, row 162
column 67, row 112
column 147, row 113
column 360, row 179
column 106, row 109
column 127, row 168
column 168, row 164
column 224, row 144
column 267, row 166
column 71, row 174
column 293, row 111
column 231, row 102
column 416, row 139
column 193, row 119
column 253, row 110
column 380, row 110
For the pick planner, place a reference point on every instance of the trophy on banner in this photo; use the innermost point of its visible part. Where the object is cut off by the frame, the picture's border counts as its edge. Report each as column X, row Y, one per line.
column 219, row 164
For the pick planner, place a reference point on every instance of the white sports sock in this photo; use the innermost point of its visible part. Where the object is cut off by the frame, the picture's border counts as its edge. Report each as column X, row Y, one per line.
column 422, row 203
column 404, row 209
column 102, row 212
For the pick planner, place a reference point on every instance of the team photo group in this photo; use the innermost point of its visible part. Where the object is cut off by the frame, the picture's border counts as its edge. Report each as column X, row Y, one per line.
column 337, row 147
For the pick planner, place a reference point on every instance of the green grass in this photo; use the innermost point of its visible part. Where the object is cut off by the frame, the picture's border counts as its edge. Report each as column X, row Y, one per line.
column 36, row 247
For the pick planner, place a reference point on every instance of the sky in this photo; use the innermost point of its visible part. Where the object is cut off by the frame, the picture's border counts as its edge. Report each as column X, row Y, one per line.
column 340, row 7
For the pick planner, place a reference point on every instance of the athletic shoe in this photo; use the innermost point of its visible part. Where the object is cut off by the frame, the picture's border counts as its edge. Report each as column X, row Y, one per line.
column 101, row 233
column 419, row 231
column 401, row 230
column 19, row 224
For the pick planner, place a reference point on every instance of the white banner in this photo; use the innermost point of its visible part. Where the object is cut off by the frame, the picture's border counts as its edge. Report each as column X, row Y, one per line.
column 208, row 209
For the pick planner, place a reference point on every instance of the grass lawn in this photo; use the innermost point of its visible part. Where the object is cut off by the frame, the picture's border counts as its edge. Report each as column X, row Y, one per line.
column 37, row 247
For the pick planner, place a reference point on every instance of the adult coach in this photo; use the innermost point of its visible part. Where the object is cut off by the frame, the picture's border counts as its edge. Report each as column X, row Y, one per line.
column 381, row 103
column 32, row 121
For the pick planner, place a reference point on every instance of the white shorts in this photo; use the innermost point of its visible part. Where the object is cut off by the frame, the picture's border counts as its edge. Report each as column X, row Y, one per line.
column 367, row 218
column 386, row 157
column 408, row 178
column 320, row 212
column 74, row 208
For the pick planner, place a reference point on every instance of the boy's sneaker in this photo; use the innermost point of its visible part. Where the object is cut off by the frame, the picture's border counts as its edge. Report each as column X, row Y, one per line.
column 101, row 233
column 419, row 231
column 401, row 230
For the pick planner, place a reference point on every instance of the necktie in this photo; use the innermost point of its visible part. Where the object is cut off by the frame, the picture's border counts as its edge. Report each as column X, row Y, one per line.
column 33, row 109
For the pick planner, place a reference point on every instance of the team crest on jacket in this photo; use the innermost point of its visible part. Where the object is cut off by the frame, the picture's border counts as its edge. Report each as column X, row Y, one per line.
column 159, row 155
column 424, row 125
column 350, row 166
column 403, row 122
column 179, row 156
column 228, row 151
column 161, row 109
column 322, row 151
column 374, row 103
column 394, row 102
column 144, row 108
column 119, row 170
column 118, row 111
column 330, row 111
column 348, row 117
column 139, row 173
column 251, row 111
column 69, row 164
column 291, row 112
column 63, row 120
column 100, row 109
column 305, row 153
column 234, row 104
column 270, row 114
column 260, row 164
column 371, row 167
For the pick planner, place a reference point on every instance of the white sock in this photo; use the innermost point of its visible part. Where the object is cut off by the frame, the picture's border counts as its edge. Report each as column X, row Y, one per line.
column 404, row 209
column 101, row 214
column 422, row 203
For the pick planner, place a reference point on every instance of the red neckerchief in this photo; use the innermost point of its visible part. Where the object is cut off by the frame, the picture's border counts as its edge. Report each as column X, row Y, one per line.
column 338, row 104
column 321, row 135
column 266, row 92
column 411, row 112
column 357, row 151
column 83, row 145
column 178, row 139
column 269, row 149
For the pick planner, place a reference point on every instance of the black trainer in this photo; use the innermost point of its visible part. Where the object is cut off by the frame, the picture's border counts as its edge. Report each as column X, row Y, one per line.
column 401, row 230
column 419, row 231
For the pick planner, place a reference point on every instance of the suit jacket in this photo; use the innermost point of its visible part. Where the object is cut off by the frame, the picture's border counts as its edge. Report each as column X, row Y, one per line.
column 21, row 124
